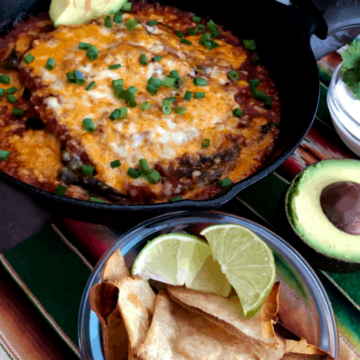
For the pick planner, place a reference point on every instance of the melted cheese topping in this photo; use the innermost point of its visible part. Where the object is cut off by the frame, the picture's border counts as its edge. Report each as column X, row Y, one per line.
column 147, row 134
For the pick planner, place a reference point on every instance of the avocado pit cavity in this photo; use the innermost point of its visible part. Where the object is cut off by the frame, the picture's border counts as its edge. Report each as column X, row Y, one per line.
column 340, row 202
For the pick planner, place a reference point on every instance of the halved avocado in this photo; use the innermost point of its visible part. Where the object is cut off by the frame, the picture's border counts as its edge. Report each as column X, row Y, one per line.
column 323, row 208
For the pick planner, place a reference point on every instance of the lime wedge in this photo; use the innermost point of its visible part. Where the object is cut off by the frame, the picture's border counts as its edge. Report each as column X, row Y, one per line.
column 180, row 259
column 246, row 260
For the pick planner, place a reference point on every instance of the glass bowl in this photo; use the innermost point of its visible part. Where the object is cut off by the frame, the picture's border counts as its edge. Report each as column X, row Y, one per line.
column 305, row 308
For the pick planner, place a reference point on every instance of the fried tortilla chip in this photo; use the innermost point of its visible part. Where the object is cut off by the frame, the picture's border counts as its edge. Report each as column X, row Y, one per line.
column 228, row 314
column 115, row 269
column 303, row 351
column 180, row 334
column 137, row 306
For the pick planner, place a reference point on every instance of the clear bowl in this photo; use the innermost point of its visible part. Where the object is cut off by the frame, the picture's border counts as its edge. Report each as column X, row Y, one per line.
column 304, row 306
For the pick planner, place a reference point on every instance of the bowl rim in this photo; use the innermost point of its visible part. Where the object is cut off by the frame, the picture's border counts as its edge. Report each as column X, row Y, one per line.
column 127, row 241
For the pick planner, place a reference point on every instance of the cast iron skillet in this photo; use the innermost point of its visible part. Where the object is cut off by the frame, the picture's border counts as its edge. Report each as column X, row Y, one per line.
column 282, row 35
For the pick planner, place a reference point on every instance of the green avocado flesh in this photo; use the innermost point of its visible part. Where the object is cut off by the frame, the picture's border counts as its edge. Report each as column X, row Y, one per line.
column 307, row 217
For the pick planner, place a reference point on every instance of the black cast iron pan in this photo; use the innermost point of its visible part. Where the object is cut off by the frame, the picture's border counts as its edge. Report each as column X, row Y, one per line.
column 282, row 34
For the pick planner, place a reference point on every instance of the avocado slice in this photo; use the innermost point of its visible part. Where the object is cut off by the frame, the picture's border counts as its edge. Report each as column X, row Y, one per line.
column 323, row 208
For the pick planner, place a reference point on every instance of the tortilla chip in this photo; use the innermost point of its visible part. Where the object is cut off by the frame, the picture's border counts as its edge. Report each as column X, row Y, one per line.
column 303, row 351
column 181, row 334
column 137, row 306
column 115, row 269
column 228, row 314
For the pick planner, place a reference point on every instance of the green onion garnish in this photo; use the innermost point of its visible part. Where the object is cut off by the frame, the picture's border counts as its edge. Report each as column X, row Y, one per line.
column 259, row 95
column 11, row 90
column 60, row 190
column 4, row 79
column 118, row 17
column 233, row 75
column 123, row 112
column 256, row 60
column 127, row 6
column 118, row 90
column 154, row 82
column 79, row 77
column 166, row 102
column 225, row 183
column 171, row 99
column 145, row 105
column 87, row 170
column 215, row 33
column 133, row 89
column 50, row 64
column 196, row 18
column 143, row 59
column 115, row 66
column 207, row 42
column 88, row 125
column 152, row 89
column 4, row 155
column 144, row 167
column 2, row 92
column 157, row 58
column 118, row 82
column 176, row 199
column 211, row 25
column 29, row 58
column 166, row 109
column 107, row 22
column 115, row 164
column 115, row 115
column 238, row 112
column 191, row 31
column 174, row 74
column 84, row 46
column 11, row 98
column 153, row 177
column 179, row 33
column 205, row 143
column 18, row 112
column 184, row 41
column 90, row 86
column 153, row 22
column 254, row 83
column 268, row 102
column 249, row 44
column 92, row 52
column 188, row 95
column 200, row 82
column 70, row 77
column 179, row 110
column 200, row 29
column 168, row 82
column 133, row 173
column 94, row 199
column 131, row 24
column 199, row 95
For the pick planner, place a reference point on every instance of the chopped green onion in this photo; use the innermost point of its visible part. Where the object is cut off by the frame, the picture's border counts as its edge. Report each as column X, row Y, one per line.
column 88, row 125
column 154, row 82
column 87, row 170
column 184, row 41
column 118, row 90
column 225, row 183
column 168, row 82
column 11, row 98
column 115, row 164
column 153, row 22
column 166, row 109
column 4, row 155
column 233, row 75
column 79, row 77
column 128, row 96
column 70, row 77
column 2, row 92
column 127, row 6
column 131, row 24
column 174, row 74
column 215, row 33
column 118, row 17
column 84, row 46
column 60, row 190
column 256, row 60
column 211, row 25
column 259, row 95
column 166, row 102
column 118, row 82
column 143, row 59
column 188, row 95
column 153, row 177
column 115, row 115
column 179, row 110
column 144, row 167
column 207, row 42
column 115, row 66
column 145, row 105
column 199, row 95
column 249, row 44
column 204, row 38
column 133, row 89
column 90, row 86
column 196, row 18
column 92, row 52
column 171, row 99
column 94, row 199
column 268, row 102
column 191, row 31
column 123, row 112
column 18, row 112
column 11, row 90
column 29, row 58
column 238, row 112
column 157, row 58
column 200, row 82
column 200, row 29
column 152, row 89
column 4, row 79
column 107, row 22
column 179, row 33
column 205, row 143
column 50, row 64
column 176, row 199
column 254, row 83
column 214, row 44
column 133, row 173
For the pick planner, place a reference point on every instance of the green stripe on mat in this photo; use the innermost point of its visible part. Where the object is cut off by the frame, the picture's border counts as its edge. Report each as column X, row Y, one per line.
column 323, row 110
column 5, row 352
column 53, row 276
